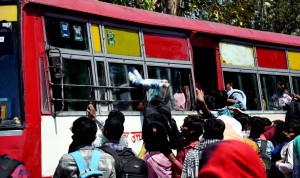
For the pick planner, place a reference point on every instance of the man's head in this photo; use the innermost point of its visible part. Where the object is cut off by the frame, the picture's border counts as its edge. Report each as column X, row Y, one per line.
column 113, row 129
column 228, row 86
column 220, row 97
column 84, row 131
column 191, row 128
column 257, row 127
column 116, row 115
column 291, row 130
column 213, row 129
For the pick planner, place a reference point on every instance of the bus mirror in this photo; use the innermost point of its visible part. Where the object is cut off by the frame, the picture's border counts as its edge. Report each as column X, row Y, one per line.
column 58, row 71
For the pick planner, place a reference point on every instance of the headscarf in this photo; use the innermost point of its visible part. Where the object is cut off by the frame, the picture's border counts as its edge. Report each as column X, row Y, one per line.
column 230, row 159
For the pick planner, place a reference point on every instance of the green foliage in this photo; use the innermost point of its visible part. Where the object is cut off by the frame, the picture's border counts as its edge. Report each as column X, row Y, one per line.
column 281, row 16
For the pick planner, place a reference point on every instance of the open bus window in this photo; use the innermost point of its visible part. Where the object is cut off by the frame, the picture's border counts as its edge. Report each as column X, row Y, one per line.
column 127, row 96
column 274, row 90
column 247, row 82
column 67, row 34
column 296, row 85
column 180, row 93
column 76, row 77
column 102, row 82
column 10, row 115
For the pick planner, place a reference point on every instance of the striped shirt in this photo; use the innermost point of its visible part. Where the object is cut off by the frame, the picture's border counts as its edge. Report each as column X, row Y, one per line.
column 191, row 163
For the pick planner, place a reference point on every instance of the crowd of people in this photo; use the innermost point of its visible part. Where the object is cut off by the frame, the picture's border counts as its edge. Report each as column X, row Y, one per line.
column 221, row 141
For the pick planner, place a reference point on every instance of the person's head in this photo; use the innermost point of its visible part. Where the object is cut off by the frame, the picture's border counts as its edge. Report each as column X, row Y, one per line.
column 220, row 97
column 84, row 131
column 244, row 119
column 230, row 158
column 116, row 115
column 291, row 129
column 278, row 137
column 257, row 127
column 228, row 85
column 267, row 121
column 113, row 129
column 281, row 84
column 191, row 128
column 213, row 129
column 210, row 102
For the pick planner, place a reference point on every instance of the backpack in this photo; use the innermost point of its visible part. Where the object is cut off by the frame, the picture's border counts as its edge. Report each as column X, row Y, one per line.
column 264, row 157
column 160, row 131
column 85, row 172
column 293, row 111
column 127, row 165
column 179, row 101
column 7, row 166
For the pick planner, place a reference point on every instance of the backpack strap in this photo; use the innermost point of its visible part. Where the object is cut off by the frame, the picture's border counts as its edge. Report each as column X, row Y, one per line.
column 81, row 164
column 263, row 147
column 110, row 151
column 7, row 165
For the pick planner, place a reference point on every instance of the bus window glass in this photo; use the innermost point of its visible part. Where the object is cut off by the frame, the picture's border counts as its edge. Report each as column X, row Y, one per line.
column 76, row 77
column 294, row 60
column 96, row 38
column 102, row 82
column 126, row 95
column 10, row 112
column 247, row 82
column 271, row 58
column 275, row 89
column 122, row 41
column 296, row 85
column 67, row 34
column 179, row 80
column 237, row 55
column 166, row 46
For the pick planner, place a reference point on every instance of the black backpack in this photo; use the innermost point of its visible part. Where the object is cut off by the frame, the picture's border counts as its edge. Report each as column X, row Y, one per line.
column 293, row 111
column 127, row 165
column 7, row 166
column 160, row 131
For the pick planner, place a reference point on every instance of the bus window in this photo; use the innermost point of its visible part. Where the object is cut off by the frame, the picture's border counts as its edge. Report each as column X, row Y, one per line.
column 127, row 97
column 247, row 82
column 180, row 80
column 66, row 34
column 10, row 112
column 273, row 88
column 296, row 85
column 102, row 82
column 72, row 84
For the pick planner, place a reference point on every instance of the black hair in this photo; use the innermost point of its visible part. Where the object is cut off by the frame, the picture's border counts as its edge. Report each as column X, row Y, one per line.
column 116, row 115
column 267, row 121
column 257, row 127
column 210, row 101
column 213, row 129
column 195, row 124
column 293, row 126
column 84, row 130
column 113, row 129
column 244, row 119
column 220, row 97
column 278, row 136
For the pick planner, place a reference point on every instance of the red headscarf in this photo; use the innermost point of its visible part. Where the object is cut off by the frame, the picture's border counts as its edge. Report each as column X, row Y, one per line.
column 230, row 159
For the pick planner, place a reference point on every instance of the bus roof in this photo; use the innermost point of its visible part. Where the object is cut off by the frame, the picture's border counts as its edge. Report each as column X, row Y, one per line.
column 163, row 20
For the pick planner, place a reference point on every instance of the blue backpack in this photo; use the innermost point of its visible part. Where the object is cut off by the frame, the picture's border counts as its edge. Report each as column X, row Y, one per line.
column 85, row 172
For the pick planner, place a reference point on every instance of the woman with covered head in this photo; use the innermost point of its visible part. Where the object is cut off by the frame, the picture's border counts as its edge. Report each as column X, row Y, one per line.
column 230, row 159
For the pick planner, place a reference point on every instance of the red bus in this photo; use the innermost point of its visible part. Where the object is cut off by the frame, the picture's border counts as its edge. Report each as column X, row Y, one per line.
column 56, row 56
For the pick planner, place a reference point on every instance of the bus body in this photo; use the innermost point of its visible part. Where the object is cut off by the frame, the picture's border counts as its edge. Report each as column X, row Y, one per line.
column 57, row 56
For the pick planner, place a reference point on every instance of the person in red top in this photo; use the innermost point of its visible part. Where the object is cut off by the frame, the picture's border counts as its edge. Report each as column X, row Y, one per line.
column 230, row 159
column 191, row 130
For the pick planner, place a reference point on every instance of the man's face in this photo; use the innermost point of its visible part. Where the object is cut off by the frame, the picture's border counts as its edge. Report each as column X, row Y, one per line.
column 185, row 131
column 280, row 86
column 289, row 135
column 228, row 86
